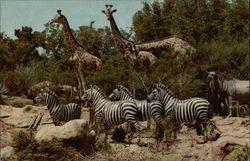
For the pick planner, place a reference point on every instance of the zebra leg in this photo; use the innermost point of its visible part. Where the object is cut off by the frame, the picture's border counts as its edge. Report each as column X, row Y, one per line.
column 99, row 128
column 149, row 123
column 198, row 128
column 106, row 135
column 131, row 133
column 230, row 106
column 135, row 127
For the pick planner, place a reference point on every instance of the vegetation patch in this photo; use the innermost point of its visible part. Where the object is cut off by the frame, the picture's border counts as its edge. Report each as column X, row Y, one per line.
column 28, row 148
column 242, row 154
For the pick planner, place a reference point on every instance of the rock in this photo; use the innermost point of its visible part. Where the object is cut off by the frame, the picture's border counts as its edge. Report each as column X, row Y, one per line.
column 224, row 146
column 75, row 132
column 6, row 152
column 200, row 140
column 75, row 129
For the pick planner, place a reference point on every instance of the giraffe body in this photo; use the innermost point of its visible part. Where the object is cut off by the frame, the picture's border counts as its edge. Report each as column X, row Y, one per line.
column 82, row 61
column 126, row 47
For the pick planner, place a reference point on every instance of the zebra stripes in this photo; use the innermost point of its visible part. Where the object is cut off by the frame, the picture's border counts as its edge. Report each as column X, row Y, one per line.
column 145, row 109
column 59, row 112
column 3, row 89
column 112, row 113
column 194, row 109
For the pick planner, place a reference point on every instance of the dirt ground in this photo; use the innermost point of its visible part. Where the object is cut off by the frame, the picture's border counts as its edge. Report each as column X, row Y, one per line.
column 234, row 134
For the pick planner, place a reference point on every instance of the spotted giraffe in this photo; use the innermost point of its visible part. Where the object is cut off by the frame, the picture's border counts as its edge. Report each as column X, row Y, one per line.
column 127, row 47
column 82, row 61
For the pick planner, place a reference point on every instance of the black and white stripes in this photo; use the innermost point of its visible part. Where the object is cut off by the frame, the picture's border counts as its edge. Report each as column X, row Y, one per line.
column 194, row 109
column 3, row 89
column 59, row 112
column 146, row 110
column 112, row 113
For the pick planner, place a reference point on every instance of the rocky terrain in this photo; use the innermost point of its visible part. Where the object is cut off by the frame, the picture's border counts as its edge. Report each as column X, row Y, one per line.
column 16, row 116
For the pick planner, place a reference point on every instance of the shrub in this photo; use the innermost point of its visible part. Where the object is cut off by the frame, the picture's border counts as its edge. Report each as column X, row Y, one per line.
column 242, row 154
column 28, row 148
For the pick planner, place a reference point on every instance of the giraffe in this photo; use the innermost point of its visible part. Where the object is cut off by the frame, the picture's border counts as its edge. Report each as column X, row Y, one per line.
column 127, row 47
column 82, row 61
column 143, row 50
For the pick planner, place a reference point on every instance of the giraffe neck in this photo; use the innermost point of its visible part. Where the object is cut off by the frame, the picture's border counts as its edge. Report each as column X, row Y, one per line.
column 70, row 40
column 120, row 41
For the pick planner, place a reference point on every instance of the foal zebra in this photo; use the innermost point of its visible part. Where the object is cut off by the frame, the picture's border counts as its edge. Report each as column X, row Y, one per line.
column 58, row 111
column 194, row 109
column 145, row 109
column 111, row 113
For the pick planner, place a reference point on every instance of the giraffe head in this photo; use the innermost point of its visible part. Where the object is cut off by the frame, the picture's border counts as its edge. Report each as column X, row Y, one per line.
column 108, row 12
column 58, row 18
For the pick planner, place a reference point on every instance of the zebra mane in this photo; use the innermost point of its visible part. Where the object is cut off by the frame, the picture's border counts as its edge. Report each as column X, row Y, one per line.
column 53, row 94
column 126, row 90
column 165, row 88
column 98, row 90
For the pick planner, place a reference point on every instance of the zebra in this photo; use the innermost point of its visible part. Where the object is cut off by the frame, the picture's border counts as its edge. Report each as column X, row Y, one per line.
column 145, row 109
column 187, row 111
column 3, row 89
column 59, row 112
column 228, row 90
column 111, row 113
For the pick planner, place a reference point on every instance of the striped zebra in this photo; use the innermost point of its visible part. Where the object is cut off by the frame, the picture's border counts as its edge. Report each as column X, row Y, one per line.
column 112, row 113
column 3, row 89
column 59, row 112
column 145, row 109
column 187, row 111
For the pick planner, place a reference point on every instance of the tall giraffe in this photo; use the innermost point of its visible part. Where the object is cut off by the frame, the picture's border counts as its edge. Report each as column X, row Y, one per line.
column 127, row 47
column 82, row 61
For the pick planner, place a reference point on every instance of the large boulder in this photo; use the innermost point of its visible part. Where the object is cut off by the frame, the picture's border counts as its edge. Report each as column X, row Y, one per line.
column 6, row 152
column 75, row 132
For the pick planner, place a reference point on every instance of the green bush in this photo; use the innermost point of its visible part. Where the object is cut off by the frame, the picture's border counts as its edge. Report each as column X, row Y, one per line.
column 32, row 150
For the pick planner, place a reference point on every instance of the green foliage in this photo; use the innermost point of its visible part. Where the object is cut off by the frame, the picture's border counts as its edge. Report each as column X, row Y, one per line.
column 28, row 148
column 242, row 154
column 21, row 50
column 113, row 71
column 197, row 21
column 21, row 79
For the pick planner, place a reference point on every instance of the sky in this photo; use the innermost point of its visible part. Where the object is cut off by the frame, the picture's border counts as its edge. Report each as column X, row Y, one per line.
column 35, row 13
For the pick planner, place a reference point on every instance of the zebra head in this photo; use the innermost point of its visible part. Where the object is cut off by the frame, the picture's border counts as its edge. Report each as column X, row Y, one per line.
column 38, row 98
column 211, row 75
column 115, row 94
column 87, row 94
column 154, row 95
